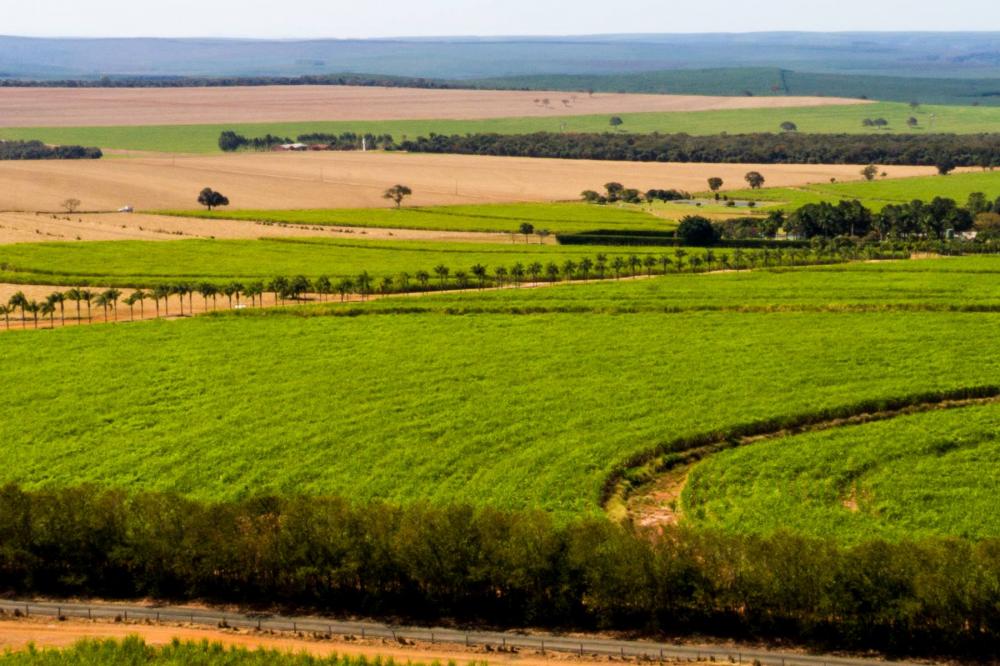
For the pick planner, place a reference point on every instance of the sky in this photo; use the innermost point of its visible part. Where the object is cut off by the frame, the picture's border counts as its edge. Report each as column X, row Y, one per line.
column 396, row 18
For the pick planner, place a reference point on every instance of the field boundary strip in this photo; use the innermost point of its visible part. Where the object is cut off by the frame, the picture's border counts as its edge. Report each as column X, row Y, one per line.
column 641, row 471
column 592, row 646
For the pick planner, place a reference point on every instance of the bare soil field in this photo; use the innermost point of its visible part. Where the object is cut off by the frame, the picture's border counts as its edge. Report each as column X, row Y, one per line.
column 41, row 227
column 74, row 107
column 357, row 180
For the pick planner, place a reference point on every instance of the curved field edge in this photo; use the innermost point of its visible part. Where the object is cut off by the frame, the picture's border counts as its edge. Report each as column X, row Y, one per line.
column 641, row 470
column 926, row 473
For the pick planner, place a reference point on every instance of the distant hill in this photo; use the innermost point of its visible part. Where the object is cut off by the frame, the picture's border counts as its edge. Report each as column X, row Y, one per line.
column 760, row 81
column 944, row 55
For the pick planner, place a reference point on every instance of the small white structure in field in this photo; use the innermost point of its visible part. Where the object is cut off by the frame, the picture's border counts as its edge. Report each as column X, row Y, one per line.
column 126, row 209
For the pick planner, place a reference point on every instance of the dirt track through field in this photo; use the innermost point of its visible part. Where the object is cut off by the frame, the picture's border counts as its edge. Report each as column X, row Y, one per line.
column 358, row 180
column 43, row 227
column 75, row 107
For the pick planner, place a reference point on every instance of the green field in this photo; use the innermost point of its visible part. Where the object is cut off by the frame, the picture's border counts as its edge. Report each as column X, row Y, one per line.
column 552, row 217
column 876, row 194
column 909, row 477
column 830, row 119
column 459, row 399
column 147, row 263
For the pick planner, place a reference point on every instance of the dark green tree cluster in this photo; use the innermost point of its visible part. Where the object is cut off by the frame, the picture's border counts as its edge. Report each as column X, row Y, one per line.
column 615, row 192
column 973, row 150
column 914, row 220
column 509, row 569
column 36, row 150
column 230, row 141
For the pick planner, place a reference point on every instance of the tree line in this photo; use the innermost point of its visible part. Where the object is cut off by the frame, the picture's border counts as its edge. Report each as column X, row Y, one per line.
column 230, row 81
column 230, row 141
column 36, row 150
column 507, row 568
column 84, row 302
column 949, row 150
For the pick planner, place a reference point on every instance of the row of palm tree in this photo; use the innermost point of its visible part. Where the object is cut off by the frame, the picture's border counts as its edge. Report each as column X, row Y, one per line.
column 441, row 277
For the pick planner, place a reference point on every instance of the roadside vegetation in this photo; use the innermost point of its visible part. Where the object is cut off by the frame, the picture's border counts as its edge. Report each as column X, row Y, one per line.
column 133, row 651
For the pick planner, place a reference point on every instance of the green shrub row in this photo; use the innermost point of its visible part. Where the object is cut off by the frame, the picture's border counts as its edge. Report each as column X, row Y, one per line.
column 511, row 569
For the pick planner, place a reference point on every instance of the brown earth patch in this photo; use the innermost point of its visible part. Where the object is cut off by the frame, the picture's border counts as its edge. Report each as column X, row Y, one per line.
column 75, row 107
column 358, row 180
column 42, row 227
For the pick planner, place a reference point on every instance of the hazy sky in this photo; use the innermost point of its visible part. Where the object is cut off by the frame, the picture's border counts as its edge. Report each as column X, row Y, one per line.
column 391, row 18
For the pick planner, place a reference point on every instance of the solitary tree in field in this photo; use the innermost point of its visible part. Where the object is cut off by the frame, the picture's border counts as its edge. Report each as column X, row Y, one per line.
column 945, row 165
column 397, row 193
column 715, row 183
column 616, row 121
column 869, row 172
column 526, row 228
column 71, row 205
column 912, row 121
column 789, row 126
column 210, row 199
column 755, row 179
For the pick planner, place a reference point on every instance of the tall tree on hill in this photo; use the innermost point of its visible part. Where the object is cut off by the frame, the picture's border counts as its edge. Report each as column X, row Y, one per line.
column 442, row 272
column 211, row 199
column 397, row 193
column 526, row 228
column 715, row 183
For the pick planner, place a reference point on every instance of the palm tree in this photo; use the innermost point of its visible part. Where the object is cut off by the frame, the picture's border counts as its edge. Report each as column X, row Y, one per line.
column 58, row 298
column 19, row 300
column 88, row 296
column 501, row 275
column 48, row 309
column 323, row 287
column 552, row 271
column 601, row 264
column 207, row 290
column 534, row 270
column 255, row 290
column 404, row 281
column 695, row 262
column 113, row 295
column 738, row 258
column 139, row 296
column 442, row 272
column 344, row 287
column 130, row 302
column 180, row 289
column 161, row 291
column 76, row 296
column 618, row 265
column 709, row 258
column 364, row 284
column 664, row 263
column 633, row 263
column 104, row 302
column 679, row 255
column 586, row 265
column 480, row 272
column 385, row 286
column 517, row 273
column 569, row 269
column 462, row 279
column 279, row 287
column 33, row 307
column 423, row 277
column 649, row 261
column 5, row 311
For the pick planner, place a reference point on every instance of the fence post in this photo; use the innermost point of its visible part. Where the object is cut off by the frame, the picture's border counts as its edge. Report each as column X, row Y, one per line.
column 26, row 610
column 295, row 626
column 362, row 632
column 157, row 617
column 466, row 640
column 89, row 616
column 432, row 638
column 543, row 646
column 581, row 649
column 126, row 616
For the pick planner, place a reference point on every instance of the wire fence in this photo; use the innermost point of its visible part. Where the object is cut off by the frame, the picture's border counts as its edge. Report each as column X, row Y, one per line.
column 491, row 641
